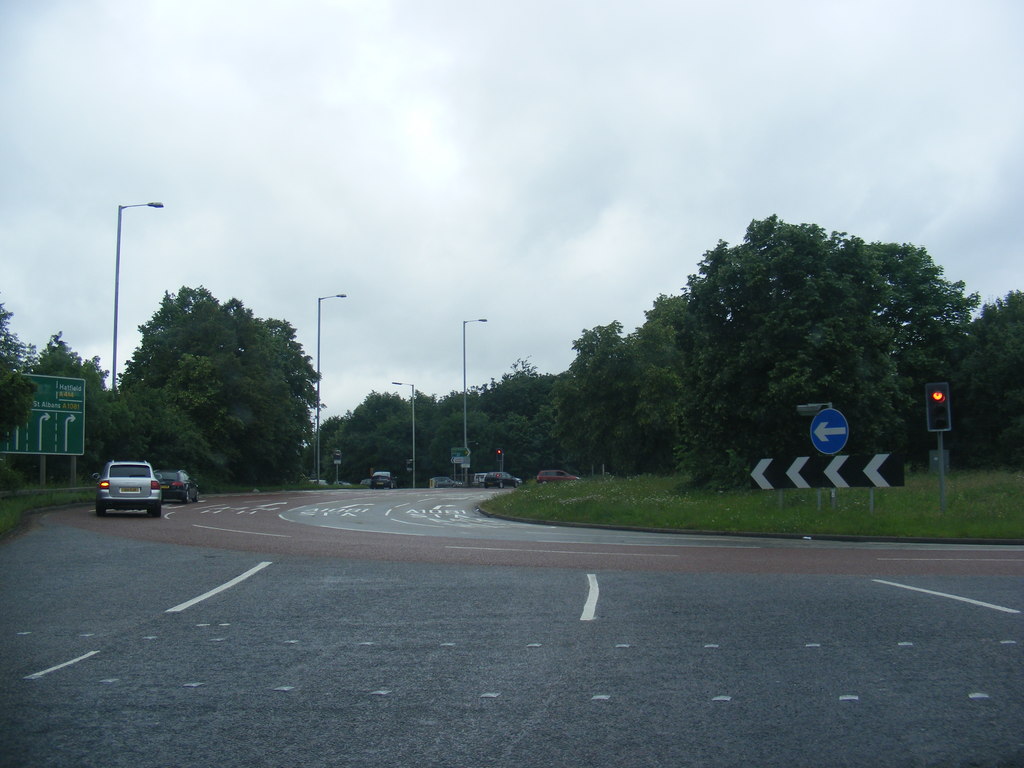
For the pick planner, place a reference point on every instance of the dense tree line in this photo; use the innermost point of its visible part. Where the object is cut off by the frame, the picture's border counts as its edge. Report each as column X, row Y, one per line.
column 705, row 386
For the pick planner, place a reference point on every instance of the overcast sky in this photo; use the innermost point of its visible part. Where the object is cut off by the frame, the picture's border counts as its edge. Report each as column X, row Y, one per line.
column 550, row 165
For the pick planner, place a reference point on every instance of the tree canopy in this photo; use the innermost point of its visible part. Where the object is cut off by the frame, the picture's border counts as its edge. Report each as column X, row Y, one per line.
column 239, row 384
column 708, row 384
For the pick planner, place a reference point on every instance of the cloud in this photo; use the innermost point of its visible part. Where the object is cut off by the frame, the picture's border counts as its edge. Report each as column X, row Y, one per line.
column 550, row 166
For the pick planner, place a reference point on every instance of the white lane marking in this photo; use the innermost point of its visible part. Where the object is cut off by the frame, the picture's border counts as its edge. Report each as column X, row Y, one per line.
column 561, row 551
column 953, row 559
column 590, row 607
column 951, row 597
column 251, row 533
column 83, row 657
column 218, row 590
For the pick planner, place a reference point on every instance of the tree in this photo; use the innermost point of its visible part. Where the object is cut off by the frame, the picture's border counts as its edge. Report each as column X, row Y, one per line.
column 987, row 393
column 791, row 315
column 16, row 391
column 594, row 402
column 520, row 421
column 242, row 383
column 929, row 318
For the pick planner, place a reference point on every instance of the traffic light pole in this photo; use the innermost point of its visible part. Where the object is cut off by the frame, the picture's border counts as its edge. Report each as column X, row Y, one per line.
column 942, row 476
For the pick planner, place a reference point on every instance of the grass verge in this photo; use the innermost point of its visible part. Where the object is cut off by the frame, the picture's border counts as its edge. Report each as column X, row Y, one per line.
column 13, row 508
column 979, row 505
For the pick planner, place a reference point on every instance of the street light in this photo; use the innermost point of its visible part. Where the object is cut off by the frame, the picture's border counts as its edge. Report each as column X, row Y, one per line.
column 406, row 384
column 117, row 284
column 465, row 438
column 316, row 453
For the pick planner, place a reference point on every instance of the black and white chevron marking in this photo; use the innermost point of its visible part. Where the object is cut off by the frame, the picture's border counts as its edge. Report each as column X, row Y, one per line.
column 882, row 470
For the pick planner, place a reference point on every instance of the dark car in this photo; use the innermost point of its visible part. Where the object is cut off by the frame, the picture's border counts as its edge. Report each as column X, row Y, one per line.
column 554, row 475
column 177, row 484
column 383, row 480
column 501, row 480
column 128, row 485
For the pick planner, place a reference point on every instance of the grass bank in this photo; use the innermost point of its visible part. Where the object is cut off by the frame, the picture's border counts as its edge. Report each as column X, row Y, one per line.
column 979, row 505
column 14, row 507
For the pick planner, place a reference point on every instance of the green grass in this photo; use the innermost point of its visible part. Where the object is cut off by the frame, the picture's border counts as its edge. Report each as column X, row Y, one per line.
column 13, row 508
column 979, row 505
column 982, row 505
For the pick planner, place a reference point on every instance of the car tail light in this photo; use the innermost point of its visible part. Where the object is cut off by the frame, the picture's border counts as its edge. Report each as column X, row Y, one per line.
column 154, row 484
column 104, row 484
column 177, row 484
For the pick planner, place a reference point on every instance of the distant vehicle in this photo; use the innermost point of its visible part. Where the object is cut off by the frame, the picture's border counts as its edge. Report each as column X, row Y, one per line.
column 554, row 475
column 443, row 482
column 501, row 480
column 177, row 484
column 365, row 481
column 478, row 479
column 128, row 485
column 383, row 480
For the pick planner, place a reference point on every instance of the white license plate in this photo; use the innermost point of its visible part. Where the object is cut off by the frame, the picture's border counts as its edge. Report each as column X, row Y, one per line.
column 131, row 490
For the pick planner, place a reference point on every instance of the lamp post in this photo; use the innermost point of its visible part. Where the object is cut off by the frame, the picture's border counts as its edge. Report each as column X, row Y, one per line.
column 316, row 451
column 406, row 384
column 465, row 438
column 117, row 284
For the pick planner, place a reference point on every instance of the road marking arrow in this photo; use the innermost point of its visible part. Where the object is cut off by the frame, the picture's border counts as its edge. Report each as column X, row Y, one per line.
column 793, row 473
column 833, row 469
column 758, row 474
column 871, row 470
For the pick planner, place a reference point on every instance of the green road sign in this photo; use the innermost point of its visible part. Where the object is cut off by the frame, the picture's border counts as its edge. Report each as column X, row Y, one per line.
column 57, row 424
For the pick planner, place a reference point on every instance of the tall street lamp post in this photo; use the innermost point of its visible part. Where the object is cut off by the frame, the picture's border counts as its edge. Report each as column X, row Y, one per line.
column 465, row 437
column 406, row 384
column 117, row 284
column 316, row 452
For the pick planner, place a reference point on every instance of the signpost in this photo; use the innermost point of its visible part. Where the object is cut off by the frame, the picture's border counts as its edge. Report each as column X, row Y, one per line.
column 56, row 425
column 460, row 456
column 881, row 470
column 829, row 431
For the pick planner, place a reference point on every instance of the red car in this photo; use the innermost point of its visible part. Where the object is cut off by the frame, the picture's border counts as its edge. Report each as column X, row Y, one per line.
column 549, row 475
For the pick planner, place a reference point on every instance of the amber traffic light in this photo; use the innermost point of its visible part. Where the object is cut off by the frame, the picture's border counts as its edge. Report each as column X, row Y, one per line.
column 937, row 411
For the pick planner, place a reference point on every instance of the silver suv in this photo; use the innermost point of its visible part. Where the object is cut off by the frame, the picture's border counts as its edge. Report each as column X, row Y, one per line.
column 128, row 485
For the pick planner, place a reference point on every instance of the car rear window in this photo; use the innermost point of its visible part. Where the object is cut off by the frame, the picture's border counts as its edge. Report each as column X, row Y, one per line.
column 129, row 470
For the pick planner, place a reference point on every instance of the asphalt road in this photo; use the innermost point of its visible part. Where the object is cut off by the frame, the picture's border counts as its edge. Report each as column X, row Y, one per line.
column 401, row 628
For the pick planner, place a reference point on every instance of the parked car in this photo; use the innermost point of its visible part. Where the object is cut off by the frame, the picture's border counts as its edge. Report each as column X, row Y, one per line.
column 177, row 484
column 501, row 480
column 443, row 482
column 128, row 485
column 383, row 480
column 554, row 475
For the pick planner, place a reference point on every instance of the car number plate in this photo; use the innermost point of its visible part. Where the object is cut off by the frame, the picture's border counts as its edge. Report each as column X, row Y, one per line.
column 131, row 489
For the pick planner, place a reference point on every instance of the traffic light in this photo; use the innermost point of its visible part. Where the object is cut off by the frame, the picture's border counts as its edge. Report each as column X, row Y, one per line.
column 499, row 453
column 936, row 398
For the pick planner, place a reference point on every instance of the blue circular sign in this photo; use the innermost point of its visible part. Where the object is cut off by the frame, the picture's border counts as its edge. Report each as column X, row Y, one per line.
column 829, row 431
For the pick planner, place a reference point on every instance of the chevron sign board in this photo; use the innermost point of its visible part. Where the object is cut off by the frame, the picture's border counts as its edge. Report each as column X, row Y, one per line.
column 882, row 470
